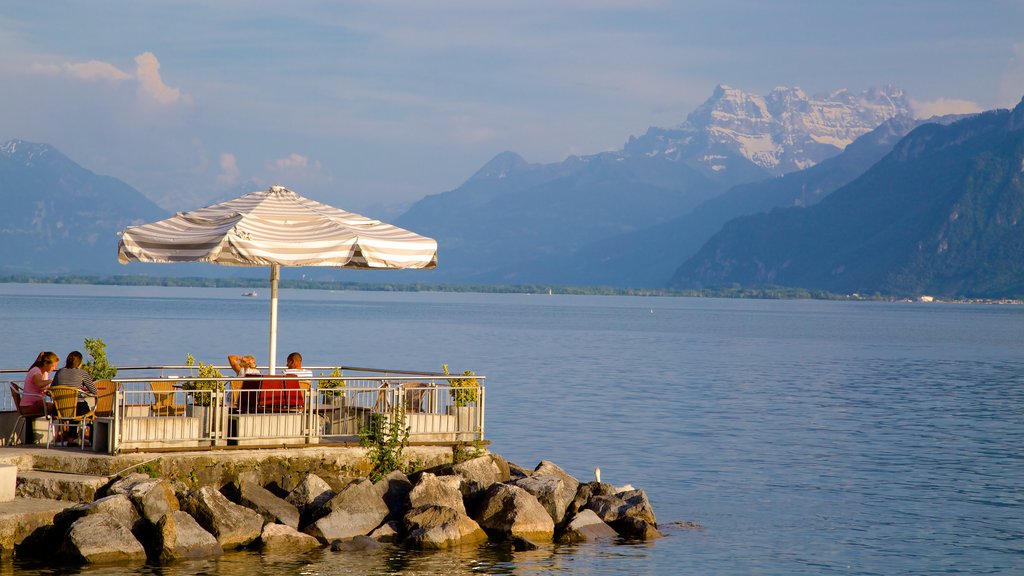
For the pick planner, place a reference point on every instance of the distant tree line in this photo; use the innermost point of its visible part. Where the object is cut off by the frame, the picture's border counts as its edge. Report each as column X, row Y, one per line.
column 735, row 291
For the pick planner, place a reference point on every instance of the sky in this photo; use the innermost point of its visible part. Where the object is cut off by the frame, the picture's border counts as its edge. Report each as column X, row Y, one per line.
column 371, row 106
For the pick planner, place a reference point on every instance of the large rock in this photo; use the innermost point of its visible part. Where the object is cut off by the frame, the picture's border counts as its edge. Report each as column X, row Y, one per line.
column 311, row 493
column 586, row 527
column 570, row 485
column 506, row 511
column 232, row 525
column 355, row 511
column 634, row 528
column 587, row 491
column 180, row 536
column 638, row 506
column 439, row 491
column 153, row 497
column 550, row 492
column 273, row 509
column 386, row 532
column 117, row 506
column 479, row 473
column 98, row 538
column 278, row 538
column 394, row 490
column 432, row 526
column 631, row 504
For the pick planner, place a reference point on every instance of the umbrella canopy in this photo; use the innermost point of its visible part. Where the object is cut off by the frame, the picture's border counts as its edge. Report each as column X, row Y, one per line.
column 275, row 228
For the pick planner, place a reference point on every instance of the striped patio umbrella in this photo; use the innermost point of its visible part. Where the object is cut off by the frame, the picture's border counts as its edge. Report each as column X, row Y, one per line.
column 275, row 228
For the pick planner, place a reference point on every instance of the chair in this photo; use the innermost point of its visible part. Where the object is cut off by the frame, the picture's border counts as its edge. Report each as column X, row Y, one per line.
column 65, row 405
column 105, row 393
column 25, row 413
column 164, row 403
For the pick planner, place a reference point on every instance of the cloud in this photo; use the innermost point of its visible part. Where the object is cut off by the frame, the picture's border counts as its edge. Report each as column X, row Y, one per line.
column 147, row 72
column 943, row 106
column 298, row 172
column 294, row 161
column 95, row 70
column 228, row 170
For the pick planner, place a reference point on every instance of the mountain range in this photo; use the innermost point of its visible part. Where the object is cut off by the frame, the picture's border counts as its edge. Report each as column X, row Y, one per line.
column 60, row 217
column 841, row 192
column 518, row 223
column 943, row 213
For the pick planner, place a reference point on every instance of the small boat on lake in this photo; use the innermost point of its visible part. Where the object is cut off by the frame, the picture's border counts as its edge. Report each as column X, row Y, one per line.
column 252, row 294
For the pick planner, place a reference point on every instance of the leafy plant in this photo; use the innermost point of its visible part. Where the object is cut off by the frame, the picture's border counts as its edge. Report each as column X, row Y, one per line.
column 463, row 390
column 97, row 366
column 333, row 384
column 385, row 438
column 203, row 371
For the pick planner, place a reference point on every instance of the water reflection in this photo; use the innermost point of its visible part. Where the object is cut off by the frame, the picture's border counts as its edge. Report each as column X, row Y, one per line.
column 487, row 558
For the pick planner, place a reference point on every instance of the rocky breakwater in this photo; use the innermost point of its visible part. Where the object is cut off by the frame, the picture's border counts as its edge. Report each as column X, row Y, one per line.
column 138, row 518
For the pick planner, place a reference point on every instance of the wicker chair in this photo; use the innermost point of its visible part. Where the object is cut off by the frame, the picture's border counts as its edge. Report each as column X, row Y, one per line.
column 65, row 405
column 105, row 393
column 164, row 403
column 26, row 414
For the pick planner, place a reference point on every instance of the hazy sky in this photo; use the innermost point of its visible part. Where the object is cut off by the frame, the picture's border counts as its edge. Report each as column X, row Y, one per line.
column 366, row 103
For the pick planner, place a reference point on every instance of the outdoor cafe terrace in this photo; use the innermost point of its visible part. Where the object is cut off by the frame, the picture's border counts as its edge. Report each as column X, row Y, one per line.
column 151, row 409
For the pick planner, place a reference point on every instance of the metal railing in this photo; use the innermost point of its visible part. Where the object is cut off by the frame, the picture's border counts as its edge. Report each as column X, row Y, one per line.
column 161, row 407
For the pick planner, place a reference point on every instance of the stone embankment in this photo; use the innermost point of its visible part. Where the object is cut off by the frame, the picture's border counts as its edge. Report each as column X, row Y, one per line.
column 138, row 518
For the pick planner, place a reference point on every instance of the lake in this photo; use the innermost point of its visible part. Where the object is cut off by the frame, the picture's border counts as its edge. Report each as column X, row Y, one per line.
column 804, row 437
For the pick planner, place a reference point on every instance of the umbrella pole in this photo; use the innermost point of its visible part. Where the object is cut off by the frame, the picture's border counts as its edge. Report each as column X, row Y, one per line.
column 275, row 274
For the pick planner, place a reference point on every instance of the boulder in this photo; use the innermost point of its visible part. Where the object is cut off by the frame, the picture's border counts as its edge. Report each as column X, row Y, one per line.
column 433, row 527
column 439, row 491
column 118, row 506
column 633, row 528
column 515, row 471
column 550, row 492
column 278, row 538
column 100, row 538
column 638, row 506
column 180, row 536
column 311, row 493
column 479, row 473
column 152, row 497
column 273, row 509
column 570, row 485
column 587, row 491
column 355, row 511
column 585, row 527
column 615, row 507
column 394, row 490
column 386, row 532
column 507, row 511
column 232, row 525
column 357, row 544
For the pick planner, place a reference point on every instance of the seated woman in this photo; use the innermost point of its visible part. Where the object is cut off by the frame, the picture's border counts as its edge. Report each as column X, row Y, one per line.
column 37, row 381
column 73, row 375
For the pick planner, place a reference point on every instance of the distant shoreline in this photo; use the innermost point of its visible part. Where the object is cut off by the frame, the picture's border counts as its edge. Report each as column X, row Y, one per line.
column 761, row 293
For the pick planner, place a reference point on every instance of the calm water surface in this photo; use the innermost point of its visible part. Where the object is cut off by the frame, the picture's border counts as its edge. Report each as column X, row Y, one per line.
column 803, row 437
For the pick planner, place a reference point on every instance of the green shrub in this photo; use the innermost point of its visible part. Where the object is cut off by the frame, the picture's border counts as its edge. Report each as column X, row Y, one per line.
column 97, row 366
column 333, row 384
column 463, row 390
column 203, row 371
column 385, row 438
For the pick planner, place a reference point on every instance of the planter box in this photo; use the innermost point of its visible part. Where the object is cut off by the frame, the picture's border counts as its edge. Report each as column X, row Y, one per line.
column 213, row 422
column 269, row 429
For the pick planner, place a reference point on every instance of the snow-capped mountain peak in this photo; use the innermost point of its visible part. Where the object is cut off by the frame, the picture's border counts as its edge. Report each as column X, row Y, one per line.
column 785, row 130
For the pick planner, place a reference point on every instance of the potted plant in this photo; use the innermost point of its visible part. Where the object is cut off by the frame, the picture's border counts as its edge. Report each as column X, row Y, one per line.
column 332, row 385
column 464, row 391
column 203, row 371
column 200, row 405
column 97, row 366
